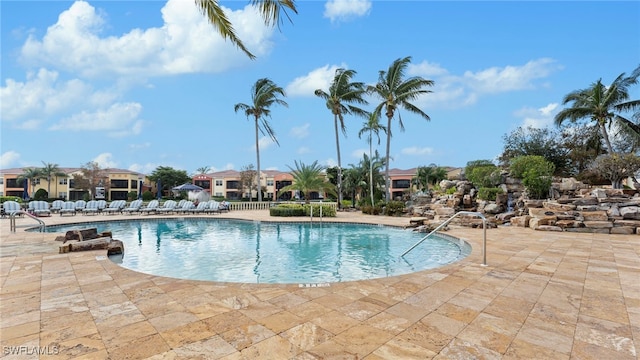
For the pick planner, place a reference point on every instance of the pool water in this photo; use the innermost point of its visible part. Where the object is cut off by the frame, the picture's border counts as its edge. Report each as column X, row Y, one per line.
column 264, row 252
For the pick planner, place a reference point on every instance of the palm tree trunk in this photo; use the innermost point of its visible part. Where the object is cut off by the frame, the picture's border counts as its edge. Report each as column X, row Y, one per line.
column 335, row 123
column 370, row 169
column 605, row 135
column 387, row 189
column 258, row 165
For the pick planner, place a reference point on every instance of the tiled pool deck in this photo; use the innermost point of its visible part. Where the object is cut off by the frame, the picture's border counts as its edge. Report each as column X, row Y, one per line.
column 543, row 295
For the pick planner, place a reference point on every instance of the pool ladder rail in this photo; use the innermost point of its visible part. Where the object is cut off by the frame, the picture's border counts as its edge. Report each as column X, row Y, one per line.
column 12, row 220
column 484, row 230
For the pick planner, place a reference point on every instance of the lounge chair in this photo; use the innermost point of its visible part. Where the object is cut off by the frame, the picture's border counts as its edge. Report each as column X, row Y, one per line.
column 56, row 205
column 133, row 207
column 11, row 208
column 80, row 205
column 68, row 208
column 169, row 206
column 39, row 208
column 181, row 203
column 152, row 206
column 214, row 207
column 102, row 204
column 186, row 207
column 200, row 209
column 90, row 208
column 224, row 206
column 115, row 206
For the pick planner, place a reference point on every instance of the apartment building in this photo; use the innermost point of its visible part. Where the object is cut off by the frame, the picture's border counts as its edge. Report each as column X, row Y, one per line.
column 228, row 184
column 117, row 185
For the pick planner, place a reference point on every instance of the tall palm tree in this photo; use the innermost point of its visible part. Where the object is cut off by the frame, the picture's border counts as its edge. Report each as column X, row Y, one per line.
column 29, row 174
column 339, row 99
column 48, row 172
column 203, row 170
column 308, row 178
column 602, row 104
column 264, row 94
column 396, row 91
column 372, row 126
column 269, row 9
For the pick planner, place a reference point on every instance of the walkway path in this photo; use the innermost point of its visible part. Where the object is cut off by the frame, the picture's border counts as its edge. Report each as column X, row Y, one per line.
column 543, row 295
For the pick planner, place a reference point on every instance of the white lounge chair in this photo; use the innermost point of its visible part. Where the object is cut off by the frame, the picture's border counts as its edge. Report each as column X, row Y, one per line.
column 68, row 208
column 10, row 208
column 214, row 207
column 80, row 205
column 115, row 206
column 39, row 208
column 56, row 205
column 133, row 207
column 152, row 206
column 186, row 207
column 90, row 208
column 201, row 208
column 169, row 206
column 102, row 204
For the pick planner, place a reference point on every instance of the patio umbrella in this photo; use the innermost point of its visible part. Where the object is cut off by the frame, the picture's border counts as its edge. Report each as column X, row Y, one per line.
column 25, row 190
column 159, row 189
column 187, row 187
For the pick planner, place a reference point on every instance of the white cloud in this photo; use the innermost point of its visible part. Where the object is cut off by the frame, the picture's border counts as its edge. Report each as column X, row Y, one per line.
column 118, row 120
column 303, row 150
column 340, row 10
column 319, row 78
column 537, row 118
column 185, row 43
column 509, row 78
column 105, row 160
column 264, row 143
column 330, row 162
column 300, row 132
column 454, row 91
column 426, row 69
column 147, row 168
column 414, row 150
column 359, row 153
column 8, row 158
column 145, row 145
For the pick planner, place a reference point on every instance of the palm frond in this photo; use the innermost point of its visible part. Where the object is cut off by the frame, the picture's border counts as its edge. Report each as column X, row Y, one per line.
column 218, row 19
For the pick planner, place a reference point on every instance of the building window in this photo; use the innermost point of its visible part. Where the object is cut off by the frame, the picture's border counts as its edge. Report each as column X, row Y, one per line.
column 269, row 182
column 218, row 194
column 401, row 184
column 36, row 182
column 233, row 184
column 218, row 182
column 119, row 184
column 134, row 184
column 62, row 181
column 1, row 181
column 269, row 195
column 62, row 195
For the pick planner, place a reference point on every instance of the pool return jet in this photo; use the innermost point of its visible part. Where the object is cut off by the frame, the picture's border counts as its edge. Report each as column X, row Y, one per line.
column 484, row 231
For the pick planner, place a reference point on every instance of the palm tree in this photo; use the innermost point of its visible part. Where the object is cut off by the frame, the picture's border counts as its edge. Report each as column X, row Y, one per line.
column 269, row 9
column 600, row 103
column 423, row 174
column 203, row 170
column 308, row 178
column 48, row 172
column 29, row 174
column 264, row 93
column 395, row 91
column 372, row 126
column 339, row 99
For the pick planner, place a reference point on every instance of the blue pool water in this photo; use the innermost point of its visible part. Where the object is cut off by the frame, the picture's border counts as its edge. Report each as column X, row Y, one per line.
column 263, row 252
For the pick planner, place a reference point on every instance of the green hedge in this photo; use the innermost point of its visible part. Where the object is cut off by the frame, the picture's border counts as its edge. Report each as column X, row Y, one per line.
column 10, row 198
column 487, row 193
column 327, row 210
column 302, row 210
column 287, row 210
column 395, row 208
column 371, row 210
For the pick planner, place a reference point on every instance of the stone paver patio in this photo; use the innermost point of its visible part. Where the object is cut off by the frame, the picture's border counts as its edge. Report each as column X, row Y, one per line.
column 543, row 295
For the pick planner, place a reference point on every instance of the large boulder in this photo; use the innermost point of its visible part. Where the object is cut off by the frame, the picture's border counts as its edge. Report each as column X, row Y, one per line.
column 630, row 212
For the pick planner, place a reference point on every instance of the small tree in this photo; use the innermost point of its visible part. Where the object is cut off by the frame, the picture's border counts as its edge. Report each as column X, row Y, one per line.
column 482, row 173
column 91, row 175
column 248, row 179
column 536, row 174
column 616, row 167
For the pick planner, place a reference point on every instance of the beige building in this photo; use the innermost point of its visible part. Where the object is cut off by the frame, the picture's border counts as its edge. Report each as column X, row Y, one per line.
column 117, row 185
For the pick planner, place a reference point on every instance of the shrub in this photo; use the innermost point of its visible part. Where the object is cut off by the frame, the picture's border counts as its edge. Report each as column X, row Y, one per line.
column 451, row 190
column 287, row 210
column 489, row 193
column 536, row 174
column 482, row 173
column 132, row 195
column 327, row 210
column 147, row 196
column 615, row 167
column 41, row 194
column 394, row 208
column 372, row 210
column 10, row 198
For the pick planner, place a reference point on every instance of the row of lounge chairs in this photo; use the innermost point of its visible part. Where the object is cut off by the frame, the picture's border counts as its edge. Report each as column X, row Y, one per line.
column 94, row 207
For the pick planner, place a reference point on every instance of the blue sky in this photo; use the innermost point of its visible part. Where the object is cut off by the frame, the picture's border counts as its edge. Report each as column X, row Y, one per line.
column 137, row 85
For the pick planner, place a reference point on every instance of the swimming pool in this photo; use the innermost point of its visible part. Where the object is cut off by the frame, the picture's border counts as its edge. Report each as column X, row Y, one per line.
column 266, row 252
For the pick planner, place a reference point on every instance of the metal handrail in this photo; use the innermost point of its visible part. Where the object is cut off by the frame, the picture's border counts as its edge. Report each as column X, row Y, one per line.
column 12, row 220
column 484, row 229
